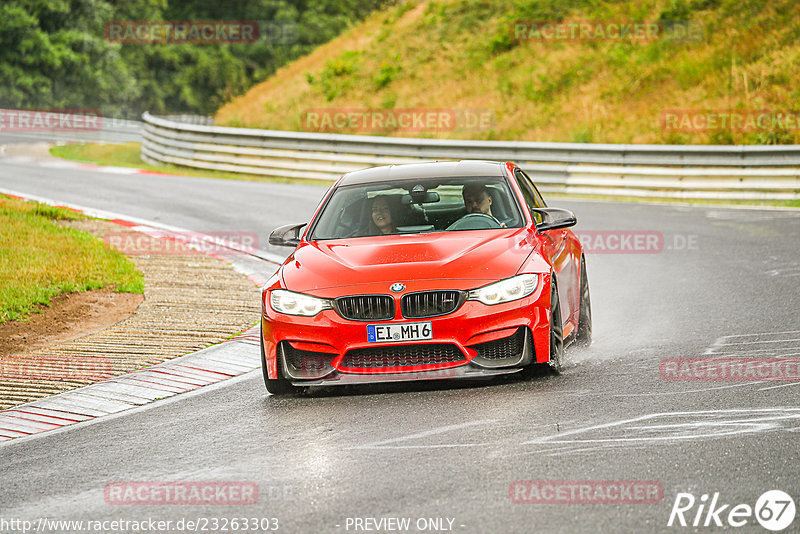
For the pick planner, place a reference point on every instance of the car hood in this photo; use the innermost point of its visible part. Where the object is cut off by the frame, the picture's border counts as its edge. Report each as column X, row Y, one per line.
column 467, row 255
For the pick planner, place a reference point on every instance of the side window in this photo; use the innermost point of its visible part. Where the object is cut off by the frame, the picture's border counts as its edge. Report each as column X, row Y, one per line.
column 539, row 200
column 528, row 189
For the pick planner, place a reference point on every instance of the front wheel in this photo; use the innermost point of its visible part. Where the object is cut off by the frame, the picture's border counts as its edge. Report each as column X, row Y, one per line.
column 555, row 365
column 556, row 331
column 276, row 386
column 584, row 336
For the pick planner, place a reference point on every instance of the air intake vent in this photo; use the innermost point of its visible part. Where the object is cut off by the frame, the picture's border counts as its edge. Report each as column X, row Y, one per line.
column 431, row 303
column 304, row 364
column 366, row 307
column 500, row 349
column 402, row 355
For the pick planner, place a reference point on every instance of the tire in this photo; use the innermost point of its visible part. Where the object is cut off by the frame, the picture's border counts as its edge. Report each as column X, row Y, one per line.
column 275, row 386
column 556, row 331
column 555, row 364
column 584, row 336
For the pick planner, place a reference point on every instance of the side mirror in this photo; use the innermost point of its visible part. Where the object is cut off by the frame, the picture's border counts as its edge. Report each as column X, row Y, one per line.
column 554, row 218
column 286, row 236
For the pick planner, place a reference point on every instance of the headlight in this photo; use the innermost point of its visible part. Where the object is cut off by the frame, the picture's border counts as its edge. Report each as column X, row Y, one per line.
column 513, row 288
column 292, row 303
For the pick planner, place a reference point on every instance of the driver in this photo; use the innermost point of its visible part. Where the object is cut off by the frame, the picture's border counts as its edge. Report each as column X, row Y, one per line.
column 477, row 199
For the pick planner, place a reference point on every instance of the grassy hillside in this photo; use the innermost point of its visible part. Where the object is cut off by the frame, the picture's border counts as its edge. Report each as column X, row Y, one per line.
column 462, row 54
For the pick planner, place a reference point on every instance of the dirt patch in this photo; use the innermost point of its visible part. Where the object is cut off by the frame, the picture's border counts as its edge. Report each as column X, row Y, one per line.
column 69, row 316
column 191, row 301
column 39, row 151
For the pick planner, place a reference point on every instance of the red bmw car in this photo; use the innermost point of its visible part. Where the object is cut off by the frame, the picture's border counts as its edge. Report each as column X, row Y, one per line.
column 424, row 271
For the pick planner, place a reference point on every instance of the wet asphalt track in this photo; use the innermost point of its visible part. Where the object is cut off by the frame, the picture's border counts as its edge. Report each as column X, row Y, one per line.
column 452, row 450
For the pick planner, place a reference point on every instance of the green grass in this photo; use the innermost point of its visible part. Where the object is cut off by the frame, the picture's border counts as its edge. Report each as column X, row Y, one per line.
column 40, row 259
column 124, row 155
column 128, row 155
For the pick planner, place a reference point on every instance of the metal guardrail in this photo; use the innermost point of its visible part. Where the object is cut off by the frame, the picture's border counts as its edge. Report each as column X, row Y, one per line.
column 190, row 118
column 675, row 171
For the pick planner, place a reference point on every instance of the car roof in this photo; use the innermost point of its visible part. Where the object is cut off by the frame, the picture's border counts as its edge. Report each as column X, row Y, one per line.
column 438, row 169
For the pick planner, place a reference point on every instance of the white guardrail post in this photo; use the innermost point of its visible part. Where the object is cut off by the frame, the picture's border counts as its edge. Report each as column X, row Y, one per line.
column 742, row 172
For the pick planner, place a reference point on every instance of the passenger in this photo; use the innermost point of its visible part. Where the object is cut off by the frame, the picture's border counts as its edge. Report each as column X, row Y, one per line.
column 382, row 220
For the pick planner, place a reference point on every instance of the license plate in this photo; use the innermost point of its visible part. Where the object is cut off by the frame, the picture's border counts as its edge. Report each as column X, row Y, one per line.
column 384, row 333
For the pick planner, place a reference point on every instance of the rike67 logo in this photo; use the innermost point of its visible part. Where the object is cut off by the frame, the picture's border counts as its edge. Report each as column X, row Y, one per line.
column 774, row 510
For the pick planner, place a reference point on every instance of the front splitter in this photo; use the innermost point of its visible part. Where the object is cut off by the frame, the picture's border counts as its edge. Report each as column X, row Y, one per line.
column 349, row 379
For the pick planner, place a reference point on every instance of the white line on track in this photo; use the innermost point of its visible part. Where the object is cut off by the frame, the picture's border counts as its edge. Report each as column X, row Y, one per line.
column 685, row 391
column 706, row 424
column 385, row 444
column 755, row 342
column 781, row 386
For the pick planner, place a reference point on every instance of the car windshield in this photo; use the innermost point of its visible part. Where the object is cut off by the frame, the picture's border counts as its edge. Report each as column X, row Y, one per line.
column 417, row 206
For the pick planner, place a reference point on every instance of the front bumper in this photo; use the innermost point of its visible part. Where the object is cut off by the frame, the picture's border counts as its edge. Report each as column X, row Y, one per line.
column 347, row 379
column 320, row 350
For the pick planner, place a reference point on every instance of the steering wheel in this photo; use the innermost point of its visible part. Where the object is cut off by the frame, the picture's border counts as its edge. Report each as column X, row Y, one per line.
column 475, row 221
